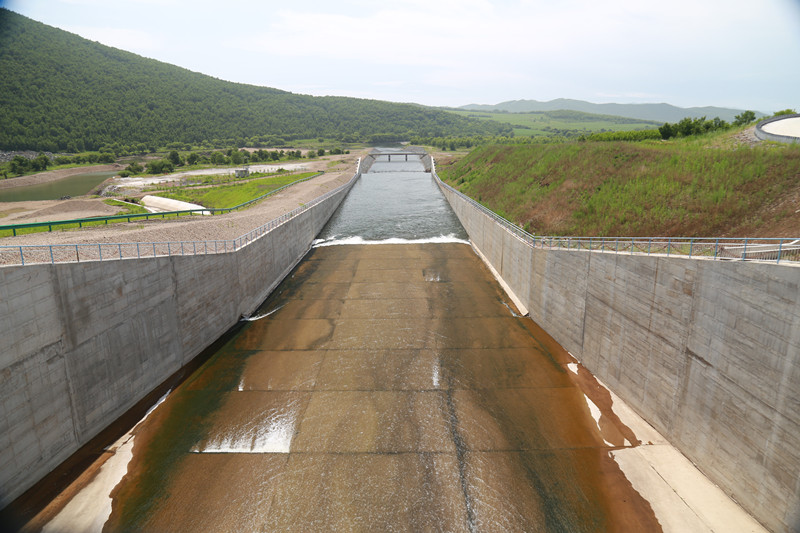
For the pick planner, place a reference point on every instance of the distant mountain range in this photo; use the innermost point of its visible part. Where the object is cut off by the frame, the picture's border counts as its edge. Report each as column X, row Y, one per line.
column 657, row 112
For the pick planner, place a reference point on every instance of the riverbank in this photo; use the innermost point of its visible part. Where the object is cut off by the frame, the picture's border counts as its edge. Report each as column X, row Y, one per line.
column 220, row 227
column 55, row 175
column 48, row 210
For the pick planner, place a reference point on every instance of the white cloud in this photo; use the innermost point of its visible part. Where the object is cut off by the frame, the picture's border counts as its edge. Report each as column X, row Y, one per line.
column 448, row 51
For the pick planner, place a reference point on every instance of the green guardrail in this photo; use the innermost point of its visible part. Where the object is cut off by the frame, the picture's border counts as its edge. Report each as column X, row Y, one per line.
column 146, row 216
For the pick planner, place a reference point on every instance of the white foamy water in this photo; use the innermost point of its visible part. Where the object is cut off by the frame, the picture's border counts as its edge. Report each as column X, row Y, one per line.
column 393, row 240
column 395, row 202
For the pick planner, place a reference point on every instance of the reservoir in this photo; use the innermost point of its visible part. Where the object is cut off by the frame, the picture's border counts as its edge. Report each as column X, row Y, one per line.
column 76, row 185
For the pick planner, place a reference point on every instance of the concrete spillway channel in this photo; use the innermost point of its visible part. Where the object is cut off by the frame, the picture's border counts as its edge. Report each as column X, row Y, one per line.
column 395, row 387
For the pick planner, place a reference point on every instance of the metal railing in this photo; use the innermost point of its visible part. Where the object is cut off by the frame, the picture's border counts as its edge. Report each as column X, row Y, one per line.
column 147, row 216
column 72, row 253
column 775, row 250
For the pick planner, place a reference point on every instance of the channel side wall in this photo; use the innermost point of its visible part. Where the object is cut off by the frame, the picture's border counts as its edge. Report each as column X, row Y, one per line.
column 81, row 343
column 706, row 351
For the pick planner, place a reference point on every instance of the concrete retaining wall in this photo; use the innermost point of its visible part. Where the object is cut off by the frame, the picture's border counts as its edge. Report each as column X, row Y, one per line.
column 767, row 136
column 707, row 351
column 81, row 343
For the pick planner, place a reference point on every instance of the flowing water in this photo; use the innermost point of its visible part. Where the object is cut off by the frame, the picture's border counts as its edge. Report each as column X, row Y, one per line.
column 76, row 185
column 383, row 387
column 394, row 201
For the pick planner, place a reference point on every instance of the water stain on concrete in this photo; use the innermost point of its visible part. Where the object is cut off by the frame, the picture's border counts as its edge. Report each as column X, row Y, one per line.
column 392, row 389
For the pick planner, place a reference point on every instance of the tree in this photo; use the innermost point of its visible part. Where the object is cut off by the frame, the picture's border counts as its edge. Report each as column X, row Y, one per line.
column 40, row 163
column 175, row 158
column 744, row 118
column 134, row 168
column 192, row 158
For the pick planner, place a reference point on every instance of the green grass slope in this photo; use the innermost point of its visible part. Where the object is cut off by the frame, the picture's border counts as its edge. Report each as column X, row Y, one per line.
column 60, row 92
column 690, row 187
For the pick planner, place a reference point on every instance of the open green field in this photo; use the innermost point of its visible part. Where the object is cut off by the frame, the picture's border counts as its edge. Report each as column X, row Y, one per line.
column 235, row 194
column 565, row 123
column 707, row 186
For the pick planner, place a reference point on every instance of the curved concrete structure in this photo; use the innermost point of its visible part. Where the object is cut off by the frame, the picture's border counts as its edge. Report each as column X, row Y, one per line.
column 784, row 129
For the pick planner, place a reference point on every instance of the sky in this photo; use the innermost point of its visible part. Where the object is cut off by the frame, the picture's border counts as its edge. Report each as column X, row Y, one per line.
column 743, row 54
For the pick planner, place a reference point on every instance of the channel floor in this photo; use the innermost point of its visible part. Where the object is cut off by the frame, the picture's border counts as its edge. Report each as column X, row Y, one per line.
column 385, row 388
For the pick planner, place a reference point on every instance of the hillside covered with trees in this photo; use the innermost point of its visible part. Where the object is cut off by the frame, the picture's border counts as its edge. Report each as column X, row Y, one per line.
column 60, row 92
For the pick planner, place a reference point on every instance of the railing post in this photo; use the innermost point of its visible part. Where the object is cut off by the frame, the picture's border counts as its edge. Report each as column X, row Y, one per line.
column 100, row 251
column 120, row 250
column 716, row 248
column 691, row 247
column 51, row 255
column 780, row 248
column 21, row 256
column 744, row 251
column 669, row 246
column 138, row 254
column 154, row 249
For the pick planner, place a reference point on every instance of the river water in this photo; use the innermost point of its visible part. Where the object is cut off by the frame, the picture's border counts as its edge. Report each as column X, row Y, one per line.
column 397, row 202
column 76, row 185
column 387, row 387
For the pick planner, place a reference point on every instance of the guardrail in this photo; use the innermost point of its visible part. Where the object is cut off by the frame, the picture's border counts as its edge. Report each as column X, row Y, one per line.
column 775, row 250
column 146, row 216
column 72, row 253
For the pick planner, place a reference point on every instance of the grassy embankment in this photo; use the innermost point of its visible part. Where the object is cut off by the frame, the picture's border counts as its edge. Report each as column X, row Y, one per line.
column 225, row 196
column 693, row 187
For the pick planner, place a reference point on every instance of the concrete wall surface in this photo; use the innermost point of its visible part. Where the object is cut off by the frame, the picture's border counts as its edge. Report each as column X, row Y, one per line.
column 707, row 351
column 81, row 343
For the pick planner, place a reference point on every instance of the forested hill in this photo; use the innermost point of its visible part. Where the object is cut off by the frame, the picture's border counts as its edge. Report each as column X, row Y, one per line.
column 656, row 112
column 60, row 92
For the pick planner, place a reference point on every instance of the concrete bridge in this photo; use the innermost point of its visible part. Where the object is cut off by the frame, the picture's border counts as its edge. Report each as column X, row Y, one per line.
column 400, row 387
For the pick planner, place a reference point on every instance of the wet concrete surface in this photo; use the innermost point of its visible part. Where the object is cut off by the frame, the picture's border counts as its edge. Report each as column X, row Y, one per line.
column 393, row 389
